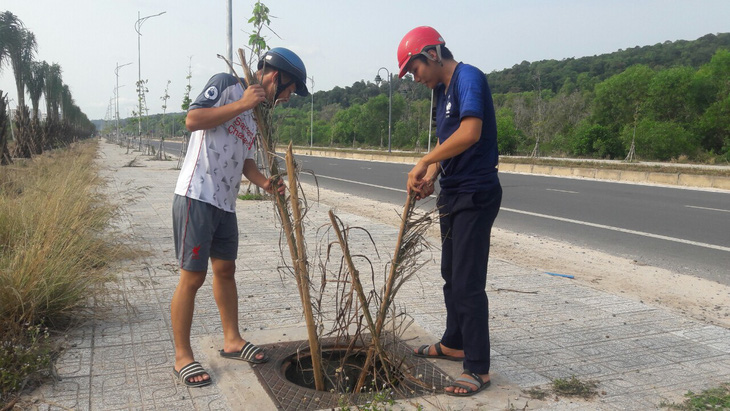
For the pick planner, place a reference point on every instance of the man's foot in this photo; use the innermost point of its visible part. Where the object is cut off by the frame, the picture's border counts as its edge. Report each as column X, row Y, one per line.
column 248, row 352
column 192, row 374
column 467, row 384
column 438, row 350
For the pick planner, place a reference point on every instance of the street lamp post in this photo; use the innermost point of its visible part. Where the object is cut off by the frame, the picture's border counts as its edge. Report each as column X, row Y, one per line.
column 390, row 98
column 116, row 95
column 137, row 27
column 311, row 118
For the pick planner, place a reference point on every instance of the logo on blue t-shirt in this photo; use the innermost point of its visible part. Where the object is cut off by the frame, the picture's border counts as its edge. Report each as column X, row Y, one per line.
column 211, row 93
column 448, row 106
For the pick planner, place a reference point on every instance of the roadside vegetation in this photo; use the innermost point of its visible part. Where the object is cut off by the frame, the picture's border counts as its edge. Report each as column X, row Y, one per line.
column 717, row 398
column 671, row 101
column 55, row 247
column 664, row 102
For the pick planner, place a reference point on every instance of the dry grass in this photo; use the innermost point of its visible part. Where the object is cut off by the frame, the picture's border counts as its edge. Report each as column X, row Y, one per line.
column 55, row 244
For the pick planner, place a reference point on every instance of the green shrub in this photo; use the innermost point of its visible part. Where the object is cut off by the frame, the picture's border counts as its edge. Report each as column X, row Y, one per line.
column 660, row 140
column 25, row 354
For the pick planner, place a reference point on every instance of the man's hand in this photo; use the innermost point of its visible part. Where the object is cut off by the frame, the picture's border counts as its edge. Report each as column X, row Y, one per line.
column 427, row 188
column 274, row 182
column 416, row 180
column 253, row 95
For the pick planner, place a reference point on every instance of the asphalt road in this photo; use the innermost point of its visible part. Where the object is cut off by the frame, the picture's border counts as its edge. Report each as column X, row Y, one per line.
column 683, row 230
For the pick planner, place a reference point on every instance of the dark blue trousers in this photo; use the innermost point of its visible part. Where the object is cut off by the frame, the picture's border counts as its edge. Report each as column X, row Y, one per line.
column 466, row 225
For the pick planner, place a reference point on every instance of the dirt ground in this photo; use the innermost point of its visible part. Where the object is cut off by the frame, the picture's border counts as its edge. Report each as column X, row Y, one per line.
column 698, row 298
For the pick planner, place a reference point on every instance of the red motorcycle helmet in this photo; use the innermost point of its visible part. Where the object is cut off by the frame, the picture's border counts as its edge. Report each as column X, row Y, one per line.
column 415, row 42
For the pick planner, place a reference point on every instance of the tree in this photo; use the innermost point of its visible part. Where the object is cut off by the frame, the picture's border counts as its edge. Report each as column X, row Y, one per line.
column 344, row 126
column 20, row 46
column 620, row 97
column 660, row 140
column 669, row 97
column 52, row 89
column 188, row 88
column 508, row 137
column 714, row 126
column 36, row 84
column 5, row 158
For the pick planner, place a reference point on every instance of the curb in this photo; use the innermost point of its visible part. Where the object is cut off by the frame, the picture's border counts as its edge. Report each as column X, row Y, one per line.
column 642, row 177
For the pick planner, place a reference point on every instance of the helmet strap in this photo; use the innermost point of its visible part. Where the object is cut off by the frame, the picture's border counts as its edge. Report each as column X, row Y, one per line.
column 280, row 87
column 438, row 54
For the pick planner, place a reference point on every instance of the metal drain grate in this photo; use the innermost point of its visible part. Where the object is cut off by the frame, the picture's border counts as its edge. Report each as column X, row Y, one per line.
column 290, row 396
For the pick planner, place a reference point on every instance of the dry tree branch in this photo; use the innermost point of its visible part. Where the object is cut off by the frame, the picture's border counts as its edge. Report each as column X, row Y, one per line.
column 293, row 230
column 409, row 245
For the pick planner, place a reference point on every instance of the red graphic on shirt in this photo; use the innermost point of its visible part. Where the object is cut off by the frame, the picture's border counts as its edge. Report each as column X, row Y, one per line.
column 196, row 250
column 239, row 129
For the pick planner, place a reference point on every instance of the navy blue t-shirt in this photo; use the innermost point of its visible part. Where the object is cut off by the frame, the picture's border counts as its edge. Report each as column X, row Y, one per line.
column 468, row 95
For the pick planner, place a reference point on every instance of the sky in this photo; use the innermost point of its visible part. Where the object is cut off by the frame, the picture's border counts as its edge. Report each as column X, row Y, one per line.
column 340, row 41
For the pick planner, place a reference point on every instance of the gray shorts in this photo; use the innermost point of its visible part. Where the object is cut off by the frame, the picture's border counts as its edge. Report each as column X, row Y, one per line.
column 202, row 231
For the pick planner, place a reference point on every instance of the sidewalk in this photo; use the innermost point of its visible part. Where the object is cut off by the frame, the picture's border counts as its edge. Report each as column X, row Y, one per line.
column 542, row 327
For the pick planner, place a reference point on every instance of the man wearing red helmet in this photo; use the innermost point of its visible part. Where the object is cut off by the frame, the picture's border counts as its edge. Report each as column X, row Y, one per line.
column 466, row 158
column 221, row 149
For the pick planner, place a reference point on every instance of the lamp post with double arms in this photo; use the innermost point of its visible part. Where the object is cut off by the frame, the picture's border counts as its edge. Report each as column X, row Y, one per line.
column 311, row 118
column 390, row 99
column 116, row 95
column 137, row 27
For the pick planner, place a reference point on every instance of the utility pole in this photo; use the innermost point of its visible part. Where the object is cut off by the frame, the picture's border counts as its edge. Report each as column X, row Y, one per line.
column 140, row 90
column 311, row 118
column 229, row 33
column 116, row 95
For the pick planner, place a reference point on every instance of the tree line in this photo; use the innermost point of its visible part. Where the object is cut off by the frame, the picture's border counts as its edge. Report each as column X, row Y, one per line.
column 27, row 131
column 670, row 100
column 662, row 102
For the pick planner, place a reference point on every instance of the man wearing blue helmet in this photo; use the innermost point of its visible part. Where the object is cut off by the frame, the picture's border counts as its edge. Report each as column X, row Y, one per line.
column 221, row 150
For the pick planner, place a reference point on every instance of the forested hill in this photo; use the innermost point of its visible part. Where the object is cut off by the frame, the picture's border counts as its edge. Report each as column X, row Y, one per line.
column 584, row 72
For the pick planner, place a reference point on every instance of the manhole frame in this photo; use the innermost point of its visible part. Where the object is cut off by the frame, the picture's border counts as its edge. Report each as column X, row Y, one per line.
column 290, row 396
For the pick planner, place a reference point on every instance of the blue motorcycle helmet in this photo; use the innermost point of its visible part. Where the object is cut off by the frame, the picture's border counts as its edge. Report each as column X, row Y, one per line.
column 286, row 60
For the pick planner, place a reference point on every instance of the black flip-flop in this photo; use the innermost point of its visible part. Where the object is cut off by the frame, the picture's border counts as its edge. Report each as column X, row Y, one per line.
column 192, row 370
column 474, row 380
column 423, row 353
column 248, row 353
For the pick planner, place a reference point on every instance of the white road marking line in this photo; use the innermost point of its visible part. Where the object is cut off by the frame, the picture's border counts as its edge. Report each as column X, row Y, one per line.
column 708, row 208
column 567, row 220
column 622, row 230
column 562, row 191
column 364, row 184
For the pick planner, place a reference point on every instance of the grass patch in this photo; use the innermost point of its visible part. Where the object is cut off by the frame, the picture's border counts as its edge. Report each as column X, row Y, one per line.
column 571, row 387
column 717, row 398
column 55, row 245
column 253, row 197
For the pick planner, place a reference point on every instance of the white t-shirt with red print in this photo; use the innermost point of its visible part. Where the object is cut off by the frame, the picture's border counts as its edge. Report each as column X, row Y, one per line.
column 213, row 165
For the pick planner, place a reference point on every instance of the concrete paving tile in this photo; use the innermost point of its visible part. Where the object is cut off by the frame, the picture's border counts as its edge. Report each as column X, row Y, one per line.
column 704, row 333
column 209, row 402
column 74, row 362
column 686, row 352
column 68, row 393
column 79, row 337
column 115, row 391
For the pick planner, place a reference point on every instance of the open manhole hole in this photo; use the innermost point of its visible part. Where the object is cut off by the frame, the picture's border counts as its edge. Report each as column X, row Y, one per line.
column 287, row 376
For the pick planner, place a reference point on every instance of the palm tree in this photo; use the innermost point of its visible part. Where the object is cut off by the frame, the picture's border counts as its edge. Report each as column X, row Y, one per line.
column 52, row 90
column 67, row 103
column 9, row 25
column 36, row 84
column 4, row 121
column 20, row 45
